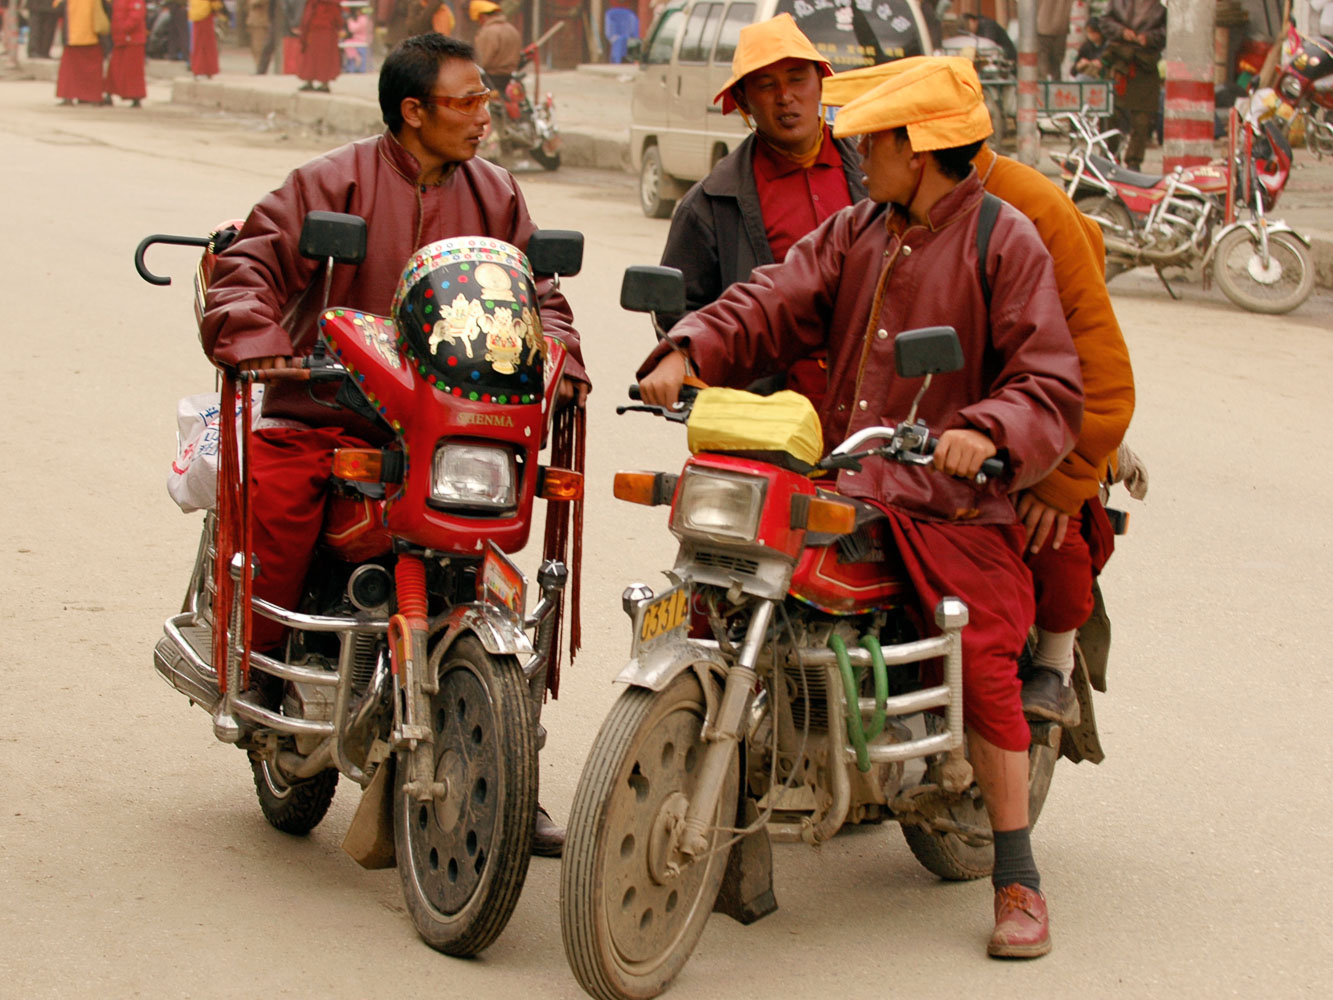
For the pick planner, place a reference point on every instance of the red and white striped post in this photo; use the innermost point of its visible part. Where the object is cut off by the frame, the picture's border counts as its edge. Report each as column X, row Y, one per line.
column 1029, row 139
column 1187, row 134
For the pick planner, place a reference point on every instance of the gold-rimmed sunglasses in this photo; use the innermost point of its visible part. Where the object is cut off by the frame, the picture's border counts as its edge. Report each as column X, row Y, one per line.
column 467, row 104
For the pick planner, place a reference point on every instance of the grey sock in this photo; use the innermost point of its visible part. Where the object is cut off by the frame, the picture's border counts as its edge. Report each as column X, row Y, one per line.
column 1013, row 860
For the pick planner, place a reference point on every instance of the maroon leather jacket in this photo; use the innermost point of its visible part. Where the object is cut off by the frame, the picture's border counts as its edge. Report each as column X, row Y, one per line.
column 263, row 297
column 864, row 276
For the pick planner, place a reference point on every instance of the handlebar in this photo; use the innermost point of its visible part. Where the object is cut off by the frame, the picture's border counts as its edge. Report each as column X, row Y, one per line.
column 309, row 369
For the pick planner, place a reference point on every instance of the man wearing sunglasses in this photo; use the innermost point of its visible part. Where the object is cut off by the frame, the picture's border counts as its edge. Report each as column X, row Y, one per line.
column 419, row 182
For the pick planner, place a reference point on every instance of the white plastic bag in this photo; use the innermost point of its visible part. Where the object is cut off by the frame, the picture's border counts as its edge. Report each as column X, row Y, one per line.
column 193, row 480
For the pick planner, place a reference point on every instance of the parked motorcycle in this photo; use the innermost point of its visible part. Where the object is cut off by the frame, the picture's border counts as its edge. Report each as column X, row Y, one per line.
column 411, row 665
column 519, row 127
column 807, row 706
column 1304, row 87
column 1191, row 217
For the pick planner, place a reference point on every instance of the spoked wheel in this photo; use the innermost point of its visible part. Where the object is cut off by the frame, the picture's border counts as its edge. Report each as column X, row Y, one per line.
column 962, row 856
column 1318, row 133
column 1278, row 287
column 1098, row 206
column 547, row 161
column 632, row 907
column 463, row 849
column 294, row 807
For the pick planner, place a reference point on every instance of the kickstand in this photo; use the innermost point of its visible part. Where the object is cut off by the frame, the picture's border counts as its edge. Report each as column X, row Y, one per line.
column 1171, row 291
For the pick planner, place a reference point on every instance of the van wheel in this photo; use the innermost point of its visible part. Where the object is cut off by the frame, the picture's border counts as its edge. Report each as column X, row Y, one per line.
column 651, row 179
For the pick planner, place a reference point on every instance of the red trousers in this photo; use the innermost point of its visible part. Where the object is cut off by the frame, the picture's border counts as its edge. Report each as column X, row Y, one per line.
column 289, row 481
column 981, row 564
column 1062, row 578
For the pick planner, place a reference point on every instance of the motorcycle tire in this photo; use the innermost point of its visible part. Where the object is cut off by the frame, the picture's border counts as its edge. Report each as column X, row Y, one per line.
column 652, row 179
column 961, row 859
column 1317, row 138
column 629, row 925
column 463, row 856
column 1099, row 206
column 1239, row 272
column 545, row 160
column 295, row 807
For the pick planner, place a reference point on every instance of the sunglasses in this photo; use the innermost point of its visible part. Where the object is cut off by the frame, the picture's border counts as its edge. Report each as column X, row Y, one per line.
column 468, row 104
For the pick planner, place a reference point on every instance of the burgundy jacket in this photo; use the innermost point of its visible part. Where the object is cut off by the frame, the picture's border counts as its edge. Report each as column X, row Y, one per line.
column 1020, row 383
column 264, row 296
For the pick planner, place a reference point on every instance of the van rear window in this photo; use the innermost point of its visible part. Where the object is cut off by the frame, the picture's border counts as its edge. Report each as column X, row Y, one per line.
column 854, row 33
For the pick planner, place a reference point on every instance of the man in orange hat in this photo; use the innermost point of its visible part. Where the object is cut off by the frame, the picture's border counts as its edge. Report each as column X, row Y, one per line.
column 1068, row 535
column 1019, row 393
column 781, row 182
column 498, row 43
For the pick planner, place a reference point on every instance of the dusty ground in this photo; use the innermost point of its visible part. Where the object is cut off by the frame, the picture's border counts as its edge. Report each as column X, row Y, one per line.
column 134, row 861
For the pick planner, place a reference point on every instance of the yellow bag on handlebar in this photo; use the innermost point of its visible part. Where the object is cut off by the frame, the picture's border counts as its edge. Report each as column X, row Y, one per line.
column 763, row 427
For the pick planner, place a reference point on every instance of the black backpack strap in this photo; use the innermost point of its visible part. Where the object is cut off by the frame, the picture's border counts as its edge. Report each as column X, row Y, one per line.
column 990, row 208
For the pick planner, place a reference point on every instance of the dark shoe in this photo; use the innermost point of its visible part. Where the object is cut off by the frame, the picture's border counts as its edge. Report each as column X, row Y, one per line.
column 308, row 85
column 548, row 840
column 1022, row 929
column 136, row 103
column 1047, row 696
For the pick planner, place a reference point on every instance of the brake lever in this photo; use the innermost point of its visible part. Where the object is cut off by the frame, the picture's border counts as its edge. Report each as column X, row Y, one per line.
column 675, row 416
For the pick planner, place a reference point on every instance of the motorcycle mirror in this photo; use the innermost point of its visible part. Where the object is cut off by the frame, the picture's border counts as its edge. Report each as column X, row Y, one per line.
column 648, row 288
column 333, row 235
column 555, row 251
column 930, row 350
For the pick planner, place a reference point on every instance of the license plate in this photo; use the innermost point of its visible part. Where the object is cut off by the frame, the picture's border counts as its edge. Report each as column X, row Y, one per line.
column 663, row 615
column 501, row 582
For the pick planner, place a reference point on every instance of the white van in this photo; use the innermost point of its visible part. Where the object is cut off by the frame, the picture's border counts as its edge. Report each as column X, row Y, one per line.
column 677, row 133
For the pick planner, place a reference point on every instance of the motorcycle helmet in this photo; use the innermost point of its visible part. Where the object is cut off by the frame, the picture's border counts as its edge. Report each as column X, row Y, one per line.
column 467, row 318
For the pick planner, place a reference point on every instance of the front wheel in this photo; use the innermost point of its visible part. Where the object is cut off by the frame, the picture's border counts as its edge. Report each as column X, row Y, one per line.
column 632, row 907
column 1108, row 212
column 547, row 161
column 1279, row 287
column 652, row 180
column 962, row 856
column 463, row 846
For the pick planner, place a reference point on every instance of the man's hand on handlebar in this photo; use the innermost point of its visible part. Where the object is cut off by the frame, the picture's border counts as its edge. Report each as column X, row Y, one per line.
column 265, row 364
column 961, row 451
column 661, row 386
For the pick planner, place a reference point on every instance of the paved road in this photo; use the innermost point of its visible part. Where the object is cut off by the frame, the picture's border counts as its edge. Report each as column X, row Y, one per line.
column 133, row 858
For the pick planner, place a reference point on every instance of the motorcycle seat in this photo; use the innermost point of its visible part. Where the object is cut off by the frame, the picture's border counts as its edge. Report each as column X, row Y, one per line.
column 1115, row 172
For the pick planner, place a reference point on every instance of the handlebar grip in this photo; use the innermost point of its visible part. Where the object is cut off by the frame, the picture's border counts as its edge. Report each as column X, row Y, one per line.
column 633, row 392
column 991, row 468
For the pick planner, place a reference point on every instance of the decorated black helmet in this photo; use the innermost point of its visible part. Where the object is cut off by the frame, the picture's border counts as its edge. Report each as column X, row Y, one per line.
column 467, row 318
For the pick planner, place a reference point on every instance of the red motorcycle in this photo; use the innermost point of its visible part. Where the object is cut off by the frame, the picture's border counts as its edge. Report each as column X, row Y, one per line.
column 520, row 127
column 1304, row 87
column 777, row 687
column 411, row 665
column 1191, row 216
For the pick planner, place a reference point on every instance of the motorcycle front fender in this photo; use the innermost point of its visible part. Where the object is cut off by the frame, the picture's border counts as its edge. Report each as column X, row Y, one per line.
column 1252, row 227
column 656, row 668
column 498, row 630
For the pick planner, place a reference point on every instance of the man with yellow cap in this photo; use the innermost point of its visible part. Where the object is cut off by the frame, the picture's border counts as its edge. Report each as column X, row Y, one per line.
column 1068, row 535
column 908, row 258
column 498, row 43
column 782, row 181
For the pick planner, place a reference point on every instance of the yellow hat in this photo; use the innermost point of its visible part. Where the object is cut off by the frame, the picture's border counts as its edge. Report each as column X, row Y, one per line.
column 938, row 100
column 478, row 7
column 762, row 45
column 845, row 87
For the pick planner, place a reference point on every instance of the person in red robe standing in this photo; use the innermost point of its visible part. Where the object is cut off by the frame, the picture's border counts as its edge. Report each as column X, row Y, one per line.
column 321, row 58
column 129, row 39
column 204, row 38
column 80, row 76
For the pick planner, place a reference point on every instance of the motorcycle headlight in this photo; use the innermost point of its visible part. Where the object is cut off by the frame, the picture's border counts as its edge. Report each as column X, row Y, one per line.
column 480, row 476
column 719, row 506
column 1290, row 88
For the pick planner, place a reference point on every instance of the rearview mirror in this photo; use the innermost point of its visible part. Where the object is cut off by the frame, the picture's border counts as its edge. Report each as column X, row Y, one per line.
column 555, row 251
column 931, row 350
column 648, row 288
column 333, row 234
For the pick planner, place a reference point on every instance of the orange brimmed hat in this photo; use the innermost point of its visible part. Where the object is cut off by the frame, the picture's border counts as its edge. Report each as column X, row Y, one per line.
column 937, row 98
column 762, row 45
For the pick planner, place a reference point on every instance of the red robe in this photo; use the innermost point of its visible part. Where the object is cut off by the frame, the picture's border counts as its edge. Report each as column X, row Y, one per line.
column 129, row 38
column 321, row 57
column 204, row 47
column 80, row 77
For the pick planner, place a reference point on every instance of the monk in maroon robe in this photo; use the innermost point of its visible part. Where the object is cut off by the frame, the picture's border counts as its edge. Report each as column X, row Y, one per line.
column 129, row 39
column 321, row 57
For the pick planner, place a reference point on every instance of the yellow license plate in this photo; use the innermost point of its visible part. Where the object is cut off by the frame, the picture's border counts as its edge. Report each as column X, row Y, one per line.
column 665, row 614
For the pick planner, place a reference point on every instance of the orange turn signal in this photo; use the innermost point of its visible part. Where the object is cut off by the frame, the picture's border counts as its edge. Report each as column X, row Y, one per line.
column 652, row 489
column 561, row 484
column 830, row 517
column 362, row 465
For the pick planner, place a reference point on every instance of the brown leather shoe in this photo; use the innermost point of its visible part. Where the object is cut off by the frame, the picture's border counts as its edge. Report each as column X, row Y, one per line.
column 548, row 839
column 1047, row 696
column 1021, row 926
